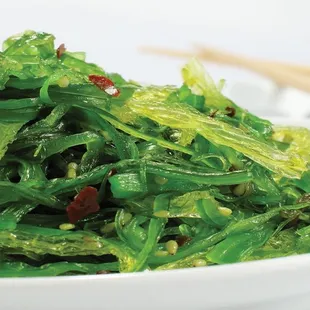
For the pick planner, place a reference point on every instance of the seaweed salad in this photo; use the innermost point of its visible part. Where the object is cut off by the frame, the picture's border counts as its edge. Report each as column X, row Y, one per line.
column 99, row 174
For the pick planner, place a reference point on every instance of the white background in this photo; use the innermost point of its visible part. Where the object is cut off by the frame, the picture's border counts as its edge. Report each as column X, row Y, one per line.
column 111, row 32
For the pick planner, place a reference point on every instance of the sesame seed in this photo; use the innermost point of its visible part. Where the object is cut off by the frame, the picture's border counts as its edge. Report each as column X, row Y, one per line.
column 63, row 82
column 199, row 263
column 225, row 211
column 66, row 226
column 172, row 247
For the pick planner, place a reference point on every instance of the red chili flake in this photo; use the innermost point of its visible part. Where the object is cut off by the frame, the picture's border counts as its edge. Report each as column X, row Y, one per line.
column 231, row 111
column 84, row 203
column 60, row 50
column 104, row 84
column 182, row 240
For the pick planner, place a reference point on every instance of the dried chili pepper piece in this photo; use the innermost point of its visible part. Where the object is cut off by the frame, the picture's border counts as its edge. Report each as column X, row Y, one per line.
column 231, row 111
column 60, row 50
column 104, row 84
column 182, row 240
column 83, row 204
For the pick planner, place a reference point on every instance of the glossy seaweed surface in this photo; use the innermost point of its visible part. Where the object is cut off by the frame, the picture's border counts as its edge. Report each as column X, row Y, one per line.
column 102, row 175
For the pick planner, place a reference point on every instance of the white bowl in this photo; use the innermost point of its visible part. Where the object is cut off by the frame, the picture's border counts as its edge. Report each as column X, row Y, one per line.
column 262, row 285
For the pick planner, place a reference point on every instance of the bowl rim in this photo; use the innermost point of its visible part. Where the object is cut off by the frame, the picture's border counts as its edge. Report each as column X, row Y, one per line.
column 248, row 268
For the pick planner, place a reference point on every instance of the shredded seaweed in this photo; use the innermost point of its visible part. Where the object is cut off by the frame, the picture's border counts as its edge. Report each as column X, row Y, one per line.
column 99, row 174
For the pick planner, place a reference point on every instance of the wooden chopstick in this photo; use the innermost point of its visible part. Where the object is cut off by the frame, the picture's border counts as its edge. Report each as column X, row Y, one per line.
column 284, row 74
column 212, row 54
